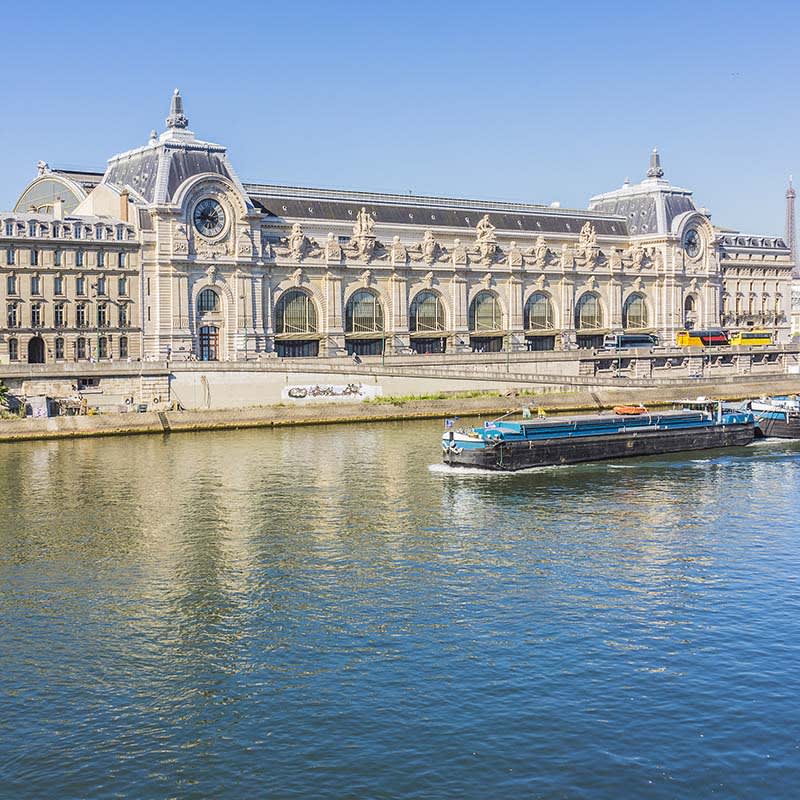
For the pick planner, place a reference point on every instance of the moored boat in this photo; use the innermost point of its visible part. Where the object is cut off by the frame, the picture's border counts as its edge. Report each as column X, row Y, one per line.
column 776, row 417
column 509, row 445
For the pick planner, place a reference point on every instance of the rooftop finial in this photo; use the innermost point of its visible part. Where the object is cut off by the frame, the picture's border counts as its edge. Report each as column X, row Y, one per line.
column 176, row 118
column 655, row 170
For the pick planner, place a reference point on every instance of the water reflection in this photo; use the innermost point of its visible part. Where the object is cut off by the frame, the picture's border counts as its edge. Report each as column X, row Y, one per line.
column 294, row 612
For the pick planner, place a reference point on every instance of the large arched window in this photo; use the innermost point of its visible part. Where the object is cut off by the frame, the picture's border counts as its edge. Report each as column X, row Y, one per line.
column 364, row 313
column 539, row 312
column 485, row 313
column 295, row 313
column 427, row 313
column 588, row 313
column 634, row 312
column 208, row 300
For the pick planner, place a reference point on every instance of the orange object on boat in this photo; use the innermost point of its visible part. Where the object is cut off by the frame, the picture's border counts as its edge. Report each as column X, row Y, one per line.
column 630, row 410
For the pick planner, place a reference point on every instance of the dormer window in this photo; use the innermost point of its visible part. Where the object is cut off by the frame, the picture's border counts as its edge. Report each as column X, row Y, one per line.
column 9, row 228
column 76, row 232
column 32, row 228
column 120, row 233
column 98, row 232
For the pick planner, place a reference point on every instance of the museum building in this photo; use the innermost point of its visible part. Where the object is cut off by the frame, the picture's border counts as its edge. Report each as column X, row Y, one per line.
column 168, row 253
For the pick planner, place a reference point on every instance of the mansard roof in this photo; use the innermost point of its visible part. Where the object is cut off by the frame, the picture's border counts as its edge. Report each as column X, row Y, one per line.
column 650, row 206
column 291, row 203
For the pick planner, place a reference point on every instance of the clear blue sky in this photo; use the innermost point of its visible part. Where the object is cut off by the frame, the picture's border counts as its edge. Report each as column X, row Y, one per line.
column 520, row 101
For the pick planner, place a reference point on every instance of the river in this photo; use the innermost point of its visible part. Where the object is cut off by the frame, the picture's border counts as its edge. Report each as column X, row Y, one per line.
column 328, row 613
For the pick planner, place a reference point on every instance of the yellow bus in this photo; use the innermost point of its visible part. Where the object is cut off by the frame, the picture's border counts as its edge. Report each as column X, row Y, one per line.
column 751, row 338
column 709, row 338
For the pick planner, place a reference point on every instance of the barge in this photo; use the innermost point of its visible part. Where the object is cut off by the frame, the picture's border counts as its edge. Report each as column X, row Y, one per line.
column 508, row 445
column 776, row 417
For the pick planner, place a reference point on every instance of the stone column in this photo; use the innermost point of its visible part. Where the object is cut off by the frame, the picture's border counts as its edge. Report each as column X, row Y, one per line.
column 332, row 326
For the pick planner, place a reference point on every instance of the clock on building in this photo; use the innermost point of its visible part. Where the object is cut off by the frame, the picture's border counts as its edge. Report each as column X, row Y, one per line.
column 692, row 243
column 209, row 217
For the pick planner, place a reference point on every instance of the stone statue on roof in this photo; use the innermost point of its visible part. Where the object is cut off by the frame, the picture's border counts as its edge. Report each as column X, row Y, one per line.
column 485, row 231
column 365, row 224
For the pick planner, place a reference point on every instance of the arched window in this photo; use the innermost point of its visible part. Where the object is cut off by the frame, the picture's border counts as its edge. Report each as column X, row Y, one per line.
column 364, row 313
column 427, row 313
column 485, row 313
column 208, row 300
column 634, row 312
column 688, row 306
column 588, row 314
column 538, row 312
column 295, row 313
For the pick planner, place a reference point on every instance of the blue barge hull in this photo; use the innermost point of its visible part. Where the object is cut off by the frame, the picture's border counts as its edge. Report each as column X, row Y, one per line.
column 510, row 446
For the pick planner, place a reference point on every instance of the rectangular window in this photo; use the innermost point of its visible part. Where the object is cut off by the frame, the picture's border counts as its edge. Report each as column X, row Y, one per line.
column 123, row 346
column 120, row 233
column 11, row 284
column 123, row 316
column 122, row 286
column 101, row 285
column 102, row 315
column 36, row 315
column 101, row 258
column 79, row 258
column 11, row 315
column 98, row 232
column 80, row 315
column 31, row 228
column 102, row 344
column 34, row 258
column 10, row 256
column 148, row 313
column 9, row 228
column 13, row 350
column 56, row 230
column 120, row 260
column 36, row 284
column 76, row 232
column 80, row 348
column 58, row 285
column 58, row 315
column 148, row 287
column 59, row 349
column 80, row 286
column 57, row 258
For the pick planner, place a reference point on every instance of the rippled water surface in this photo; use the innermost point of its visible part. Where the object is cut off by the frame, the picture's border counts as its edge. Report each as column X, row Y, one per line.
column 324, row 613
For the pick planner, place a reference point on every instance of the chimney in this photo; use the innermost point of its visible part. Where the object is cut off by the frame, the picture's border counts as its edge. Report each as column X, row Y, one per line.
column 123, row 205
column 58, row 208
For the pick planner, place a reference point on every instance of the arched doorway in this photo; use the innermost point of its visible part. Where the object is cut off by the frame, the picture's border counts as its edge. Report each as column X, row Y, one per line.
column 425, row 321
column 210, row 317
column 296, row 325
column 363, row 324
column 209, row 343
column 36, row 350
column 485, row 320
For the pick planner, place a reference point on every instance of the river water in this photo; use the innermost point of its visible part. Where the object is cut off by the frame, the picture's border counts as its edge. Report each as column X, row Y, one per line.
column 327, row 613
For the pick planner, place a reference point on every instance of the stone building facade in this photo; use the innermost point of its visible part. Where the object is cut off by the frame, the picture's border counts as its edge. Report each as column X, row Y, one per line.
column 217, row 269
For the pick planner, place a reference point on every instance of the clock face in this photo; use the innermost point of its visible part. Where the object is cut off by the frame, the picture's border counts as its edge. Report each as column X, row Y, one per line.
column 209, row 217
column 692, row 243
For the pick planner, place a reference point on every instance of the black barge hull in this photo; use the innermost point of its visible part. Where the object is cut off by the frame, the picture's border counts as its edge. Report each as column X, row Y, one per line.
column 510, row 456
column 778, row 428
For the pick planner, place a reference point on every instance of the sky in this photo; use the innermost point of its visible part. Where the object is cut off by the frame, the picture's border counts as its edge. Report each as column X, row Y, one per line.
column 521, row 101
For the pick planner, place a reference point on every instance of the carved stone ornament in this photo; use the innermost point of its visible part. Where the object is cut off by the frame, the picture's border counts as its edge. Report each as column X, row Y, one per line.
column 540, row 252
column 693, row 285
column 180, row 240
column 514, row 255
column 427, row 250
column 366, row 278
column 399, row 252
column 637, row 283
column 245, row 245
column 459, row 253
column 365, row 224
column 298, row 241
column 428, row 280
column 486, row 281
column 298, row 277
column 541, row 281
column 588, row 252
column 591, row 282
column 333, row 251
column 485, row 231
column 615, row 258
column 212, row 273
column 637, row 255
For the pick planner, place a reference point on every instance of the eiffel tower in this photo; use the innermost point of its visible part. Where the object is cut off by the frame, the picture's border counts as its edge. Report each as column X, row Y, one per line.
column 791, row 239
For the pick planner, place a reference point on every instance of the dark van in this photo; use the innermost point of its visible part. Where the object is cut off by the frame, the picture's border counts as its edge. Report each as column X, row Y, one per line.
column 627, row 341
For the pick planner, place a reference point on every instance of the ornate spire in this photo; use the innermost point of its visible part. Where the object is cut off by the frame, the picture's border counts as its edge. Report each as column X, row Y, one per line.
column 177, row 118
column 655, row 170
